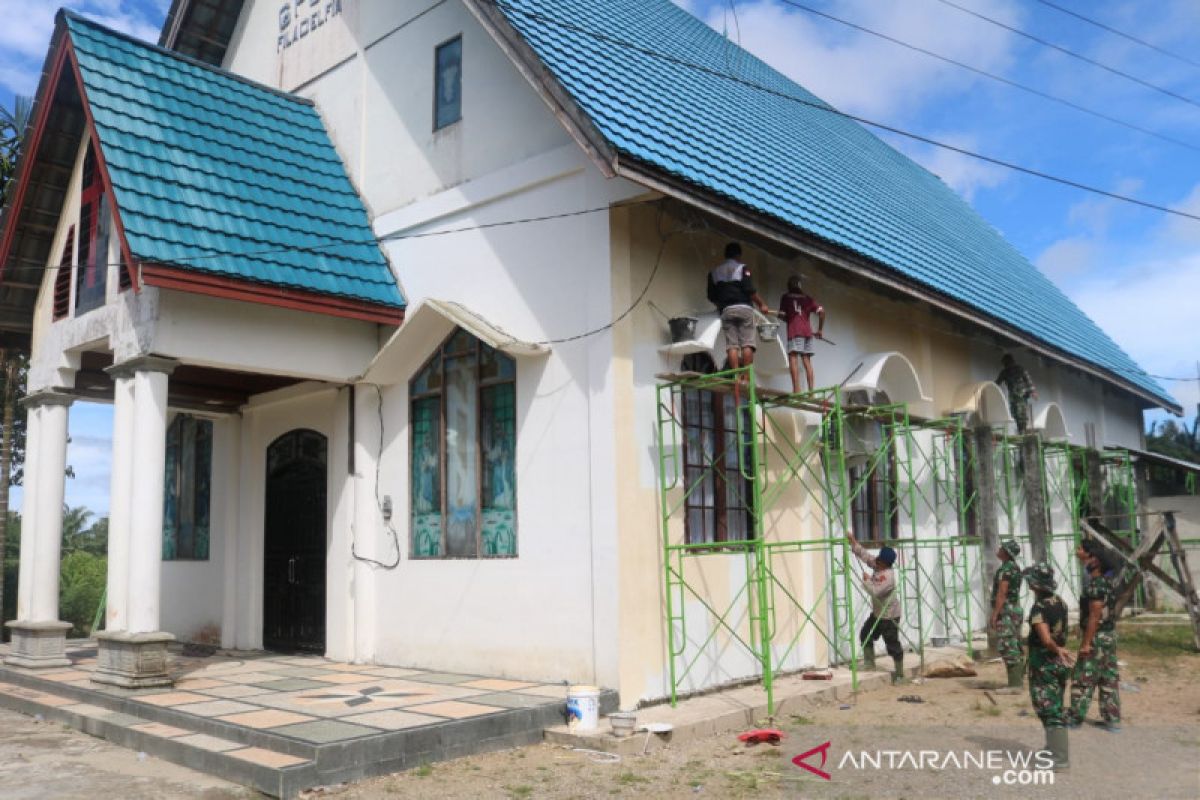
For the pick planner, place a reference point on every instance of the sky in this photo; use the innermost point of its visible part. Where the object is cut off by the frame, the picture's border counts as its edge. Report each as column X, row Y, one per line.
column 1134, row 271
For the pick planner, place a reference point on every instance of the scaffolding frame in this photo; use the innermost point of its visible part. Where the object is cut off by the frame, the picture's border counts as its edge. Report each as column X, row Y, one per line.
column 923, row 464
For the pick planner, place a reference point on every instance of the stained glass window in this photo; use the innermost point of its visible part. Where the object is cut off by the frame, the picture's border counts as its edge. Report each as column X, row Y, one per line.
column 188, row 485
column 463, row 482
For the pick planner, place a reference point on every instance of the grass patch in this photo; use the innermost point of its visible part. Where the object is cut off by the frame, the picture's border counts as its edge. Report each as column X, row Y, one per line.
column 423, row 771
column 519, row 791
column 631, row 778
column 987, row 711
column 1155, row 641
column 800, row 719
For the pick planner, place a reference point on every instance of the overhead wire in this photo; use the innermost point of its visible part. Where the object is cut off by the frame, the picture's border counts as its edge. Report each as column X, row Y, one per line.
column 990, row 75
column 826, row 108
column 1069, row 52
column 1117, row 32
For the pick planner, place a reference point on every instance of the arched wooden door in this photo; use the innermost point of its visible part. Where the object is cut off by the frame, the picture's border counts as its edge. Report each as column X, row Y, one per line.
column 294, row 543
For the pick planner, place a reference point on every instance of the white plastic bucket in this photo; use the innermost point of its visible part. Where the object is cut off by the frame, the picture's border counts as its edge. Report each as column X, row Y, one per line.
column 583, row 708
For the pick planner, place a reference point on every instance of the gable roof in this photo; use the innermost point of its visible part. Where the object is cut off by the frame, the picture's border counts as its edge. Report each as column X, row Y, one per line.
column 654, row 82
column 220, row 185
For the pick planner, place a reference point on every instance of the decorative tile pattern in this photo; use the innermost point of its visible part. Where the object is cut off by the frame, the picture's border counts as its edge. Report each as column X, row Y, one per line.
column 210, row 743
column 235, row 691
column 325, row 730
column 215, row 708
column 455, row 709
column 267, row 718
column 171, row 698
column 393, row 720
column 342, row 677
column 158, row 729
column 195, row 684
column 497, row 684
column 267, row 758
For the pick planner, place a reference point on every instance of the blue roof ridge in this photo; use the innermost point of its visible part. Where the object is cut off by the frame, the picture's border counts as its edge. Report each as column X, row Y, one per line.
column 76, row 17
column 88, row 41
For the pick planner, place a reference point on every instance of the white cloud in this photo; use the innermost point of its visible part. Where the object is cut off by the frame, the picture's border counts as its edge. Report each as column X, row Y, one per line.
column 1068, row 258
column 865, row 75
column 962, row 173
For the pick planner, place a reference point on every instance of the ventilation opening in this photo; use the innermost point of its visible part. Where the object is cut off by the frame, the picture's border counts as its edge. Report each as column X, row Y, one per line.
column 62, row 280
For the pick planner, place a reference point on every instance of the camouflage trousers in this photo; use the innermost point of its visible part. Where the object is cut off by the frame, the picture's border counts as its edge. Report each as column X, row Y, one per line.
column 1047, row 684
column 1099, row 670
column 1020, row 413
column 1008, row 634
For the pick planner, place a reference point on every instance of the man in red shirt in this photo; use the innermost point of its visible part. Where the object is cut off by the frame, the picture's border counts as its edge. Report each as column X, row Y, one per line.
column 795, row 307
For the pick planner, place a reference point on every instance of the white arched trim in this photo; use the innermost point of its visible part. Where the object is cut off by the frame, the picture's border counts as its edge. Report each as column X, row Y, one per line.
column 424, row 328
column 984, row 402
column 890, row 373
column 1051, row 422
column 770, row 357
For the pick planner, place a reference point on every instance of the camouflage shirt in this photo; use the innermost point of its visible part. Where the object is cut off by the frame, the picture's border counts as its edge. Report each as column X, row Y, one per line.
column 1008, row 571
column 1098, row 588
column 1052, row 611
column 1016, row 380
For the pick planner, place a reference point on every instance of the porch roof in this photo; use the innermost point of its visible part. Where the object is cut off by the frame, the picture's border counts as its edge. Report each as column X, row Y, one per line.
column 220, row 185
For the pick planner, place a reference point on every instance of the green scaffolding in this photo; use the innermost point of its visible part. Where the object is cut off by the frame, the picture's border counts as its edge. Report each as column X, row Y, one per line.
column 820, row 474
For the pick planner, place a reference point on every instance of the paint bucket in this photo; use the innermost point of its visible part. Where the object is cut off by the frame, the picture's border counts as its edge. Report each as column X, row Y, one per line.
column 623, row 723
column 768, row 331
column 682, row 328
column 583, row 708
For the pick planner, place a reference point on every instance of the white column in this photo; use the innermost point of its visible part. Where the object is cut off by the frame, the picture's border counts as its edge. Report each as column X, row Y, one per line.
column 51, row 485
column 33, row 440
column 120, row 486
column 146, row 503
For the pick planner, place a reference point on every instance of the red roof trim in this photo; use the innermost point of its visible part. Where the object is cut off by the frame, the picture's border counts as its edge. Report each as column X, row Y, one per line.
column 29, row 153
column 127, row 262
column 296, row 299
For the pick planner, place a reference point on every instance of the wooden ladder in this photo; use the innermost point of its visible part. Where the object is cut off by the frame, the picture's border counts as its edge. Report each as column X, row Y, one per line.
column 1139, row 561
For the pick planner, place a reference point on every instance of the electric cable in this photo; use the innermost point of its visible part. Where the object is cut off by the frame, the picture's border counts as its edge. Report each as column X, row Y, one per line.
column 825, row 107
column 378, row 501
column 1118, row 32
column 1073, row 54
column 991, row 76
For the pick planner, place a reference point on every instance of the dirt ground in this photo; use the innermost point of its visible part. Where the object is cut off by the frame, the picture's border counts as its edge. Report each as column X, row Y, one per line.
column 47, row 760
column 1156, row 755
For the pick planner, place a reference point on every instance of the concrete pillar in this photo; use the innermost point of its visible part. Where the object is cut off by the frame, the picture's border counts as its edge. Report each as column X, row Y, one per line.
column 33, row 438
column 985, row 513
column 1036, row 513
column 136, row 657
column 120, row 486
column 38, row 635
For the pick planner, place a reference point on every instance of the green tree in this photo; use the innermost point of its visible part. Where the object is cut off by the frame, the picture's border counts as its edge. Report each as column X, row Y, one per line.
column 1173, row 440
column 81, row 586
column 11, row 559
column 13, row 364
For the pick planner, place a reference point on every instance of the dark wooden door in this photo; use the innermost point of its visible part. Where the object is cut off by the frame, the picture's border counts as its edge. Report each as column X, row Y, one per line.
column 294, row 543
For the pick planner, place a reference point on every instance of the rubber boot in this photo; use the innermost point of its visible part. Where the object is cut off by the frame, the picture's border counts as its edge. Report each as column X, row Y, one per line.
column 1016, row 675
column 869, row 658
column 898, row 670
column 1056, row 743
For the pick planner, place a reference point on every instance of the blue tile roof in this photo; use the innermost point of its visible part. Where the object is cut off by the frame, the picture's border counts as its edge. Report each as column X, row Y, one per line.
column 819, row 172
column 212, row 173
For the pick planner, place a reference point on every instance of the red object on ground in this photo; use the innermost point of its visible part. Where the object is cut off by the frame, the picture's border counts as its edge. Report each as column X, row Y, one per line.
column 817, row 676
column 760, row 735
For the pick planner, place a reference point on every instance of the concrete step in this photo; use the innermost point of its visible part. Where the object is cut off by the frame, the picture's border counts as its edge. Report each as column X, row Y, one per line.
column 268, row 770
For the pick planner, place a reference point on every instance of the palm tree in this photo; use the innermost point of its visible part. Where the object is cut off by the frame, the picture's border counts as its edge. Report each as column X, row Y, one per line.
column 13, row 124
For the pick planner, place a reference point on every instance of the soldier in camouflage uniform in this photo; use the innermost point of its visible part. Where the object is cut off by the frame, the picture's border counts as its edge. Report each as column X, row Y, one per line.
column 1097, row 664
column 1021, row 391
column 1006, row 611
column 1049, row 659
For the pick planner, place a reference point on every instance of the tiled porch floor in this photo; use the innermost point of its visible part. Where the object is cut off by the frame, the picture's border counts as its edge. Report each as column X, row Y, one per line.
column 282, row 712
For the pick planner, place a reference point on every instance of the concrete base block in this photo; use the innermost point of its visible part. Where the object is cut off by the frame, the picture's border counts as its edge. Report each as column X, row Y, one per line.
column 37, row 645
column 132, row 660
